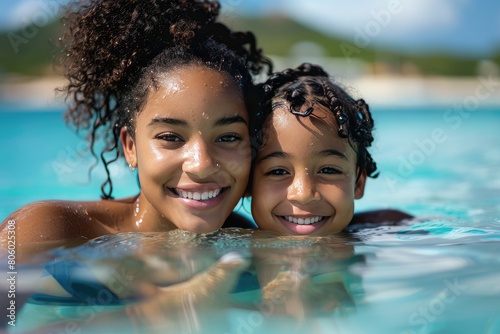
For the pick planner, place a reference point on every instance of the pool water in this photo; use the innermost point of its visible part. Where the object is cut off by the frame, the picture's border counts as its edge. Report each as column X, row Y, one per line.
column 439, row 273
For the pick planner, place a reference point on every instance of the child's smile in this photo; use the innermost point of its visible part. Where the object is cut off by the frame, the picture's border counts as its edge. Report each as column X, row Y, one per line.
column 303, row 224
column 304, row 180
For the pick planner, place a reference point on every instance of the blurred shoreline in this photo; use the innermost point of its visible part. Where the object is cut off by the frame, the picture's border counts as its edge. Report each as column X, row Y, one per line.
column 32, row 93
column 378, row 90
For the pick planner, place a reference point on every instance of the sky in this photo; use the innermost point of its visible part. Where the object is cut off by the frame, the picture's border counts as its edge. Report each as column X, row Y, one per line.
column 460, row 26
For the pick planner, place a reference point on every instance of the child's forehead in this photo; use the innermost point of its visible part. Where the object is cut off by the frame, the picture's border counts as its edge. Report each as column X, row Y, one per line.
column 320, row 117
column 304, row 139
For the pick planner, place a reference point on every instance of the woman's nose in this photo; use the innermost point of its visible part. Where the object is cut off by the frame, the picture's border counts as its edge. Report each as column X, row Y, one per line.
column 200, row 161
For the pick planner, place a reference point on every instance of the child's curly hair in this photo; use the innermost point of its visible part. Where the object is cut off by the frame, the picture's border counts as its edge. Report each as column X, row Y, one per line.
column 306, row 85
column 113, row 51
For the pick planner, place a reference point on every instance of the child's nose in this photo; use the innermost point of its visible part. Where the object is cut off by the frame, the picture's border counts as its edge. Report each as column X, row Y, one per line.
column 303, row 190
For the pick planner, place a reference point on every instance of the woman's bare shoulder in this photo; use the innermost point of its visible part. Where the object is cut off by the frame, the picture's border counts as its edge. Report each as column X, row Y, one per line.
column 53, row 221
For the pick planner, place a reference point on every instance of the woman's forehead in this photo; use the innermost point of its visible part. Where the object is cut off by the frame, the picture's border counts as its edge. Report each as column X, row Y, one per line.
column 194, row 92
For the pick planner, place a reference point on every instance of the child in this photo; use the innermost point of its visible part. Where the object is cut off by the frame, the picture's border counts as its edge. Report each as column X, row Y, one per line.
column 166, row 85
column 311, row 164
column 312, row 161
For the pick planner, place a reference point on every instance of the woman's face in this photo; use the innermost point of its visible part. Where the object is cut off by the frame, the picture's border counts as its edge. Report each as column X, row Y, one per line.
column 304, row 179
column 192, row 149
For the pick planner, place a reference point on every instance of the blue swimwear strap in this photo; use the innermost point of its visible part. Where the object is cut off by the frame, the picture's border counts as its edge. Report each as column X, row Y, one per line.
column 77, row 279
column 248, row 281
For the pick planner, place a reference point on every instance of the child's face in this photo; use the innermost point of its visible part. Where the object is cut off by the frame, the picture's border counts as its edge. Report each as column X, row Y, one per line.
column 304, row 180
column 192, row 149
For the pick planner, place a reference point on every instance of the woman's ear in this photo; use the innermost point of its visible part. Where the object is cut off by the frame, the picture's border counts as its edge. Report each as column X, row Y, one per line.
column 128, row 145
column 359, row 189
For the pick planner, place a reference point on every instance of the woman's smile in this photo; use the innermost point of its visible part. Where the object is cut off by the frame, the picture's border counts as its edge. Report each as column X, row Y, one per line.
column 192, row 148
column 201, row 199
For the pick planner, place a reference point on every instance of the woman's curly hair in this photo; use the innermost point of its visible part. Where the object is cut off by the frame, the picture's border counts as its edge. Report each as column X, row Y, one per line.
column 306, row 85
column 113, row 51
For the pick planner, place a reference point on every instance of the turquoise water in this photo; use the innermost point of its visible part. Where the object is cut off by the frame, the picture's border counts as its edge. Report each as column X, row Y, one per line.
column 436, row 274
column 44, row 159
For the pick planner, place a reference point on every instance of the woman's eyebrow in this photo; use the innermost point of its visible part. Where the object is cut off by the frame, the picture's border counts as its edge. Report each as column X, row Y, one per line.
column 276, row 154
column 180, row 122
column 168, row 120
column 230, row 120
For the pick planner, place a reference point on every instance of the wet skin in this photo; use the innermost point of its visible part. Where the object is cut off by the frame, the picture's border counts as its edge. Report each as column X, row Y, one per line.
column 192, row 149
column 305, row 177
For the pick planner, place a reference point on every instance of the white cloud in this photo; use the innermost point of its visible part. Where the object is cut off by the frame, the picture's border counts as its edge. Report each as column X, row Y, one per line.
column 39, row 12
column 382, row 19
column 23, row 13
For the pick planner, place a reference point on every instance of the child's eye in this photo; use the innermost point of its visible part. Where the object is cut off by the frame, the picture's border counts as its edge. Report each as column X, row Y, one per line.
column 229, row 138
column 277, row 172
column 169, row 137
column 329, row 170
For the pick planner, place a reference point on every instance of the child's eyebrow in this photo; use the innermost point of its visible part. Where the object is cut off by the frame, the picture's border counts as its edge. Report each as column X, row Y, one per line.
column 276, row 154
column 331, row 151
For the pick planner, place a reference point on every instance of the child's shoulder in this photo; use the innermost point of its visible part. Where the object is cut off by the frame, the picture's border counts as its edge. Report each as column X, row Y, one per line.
column 386, row 216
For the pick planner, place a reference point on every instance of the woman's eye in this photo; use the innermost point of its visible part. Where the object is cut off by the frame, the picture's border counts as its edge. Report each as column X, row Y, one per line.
column 229, row 138
column 277, row 172
column 169, row 137
column 329, row 170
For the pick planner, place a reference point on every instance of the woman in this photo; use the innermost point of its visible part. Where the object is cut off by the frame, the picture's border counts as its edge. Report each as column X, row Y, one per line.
column 170, row 88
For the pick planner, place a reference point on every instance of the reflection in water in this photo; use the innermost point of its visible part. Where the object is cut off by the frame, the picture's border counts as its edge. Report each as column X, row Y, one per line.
column 311, row 277
column 198, row 283
column 418, row 278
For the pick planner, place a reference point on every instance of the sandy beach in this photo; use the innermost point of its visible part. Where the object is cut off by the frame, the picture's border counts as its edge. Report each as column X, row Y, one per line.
column 33, row 93
column 380, row 90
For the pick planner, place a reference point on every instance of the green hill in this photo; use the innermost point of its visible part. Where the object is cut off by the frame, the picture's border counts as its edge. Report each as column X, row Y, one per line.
column 30, row 51
column 277, row 35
